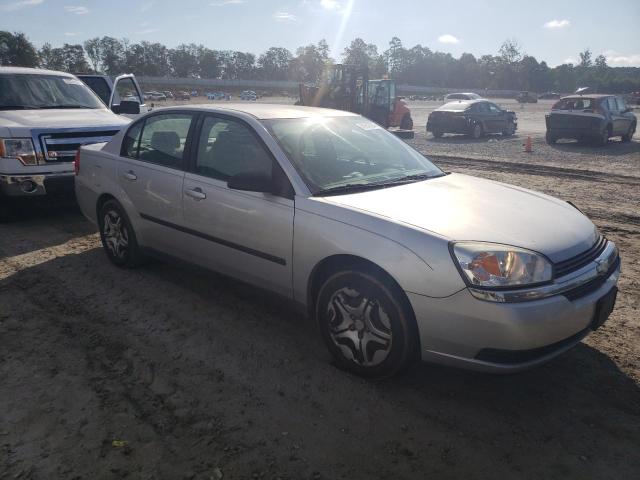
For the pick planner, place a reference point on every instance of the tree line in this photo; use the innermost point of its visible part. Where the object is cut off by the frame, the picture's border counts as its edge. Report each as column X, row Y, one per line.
column 509, row 69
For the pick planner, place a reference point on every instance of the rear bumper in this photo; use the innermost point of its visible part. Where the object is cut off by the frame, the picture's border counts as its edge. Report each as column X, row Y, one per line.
column 575, row 133
column 463, row 331
column 36, row 185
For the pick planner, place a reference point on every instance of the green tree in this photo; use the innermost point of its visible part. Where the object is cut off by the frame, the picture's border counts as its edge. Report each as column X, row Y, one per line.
column 274, row 63
column 510, row 51
column 16, row 49
column 112, row 56
column 360, row 53
column 585, row 59
column 94, row 52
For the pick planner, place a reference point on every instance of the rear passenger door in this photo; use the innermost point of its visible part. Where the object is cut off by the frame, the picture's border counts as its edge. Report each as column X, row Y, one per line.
column 151, row 173
column 623, row 119
column 245, row 234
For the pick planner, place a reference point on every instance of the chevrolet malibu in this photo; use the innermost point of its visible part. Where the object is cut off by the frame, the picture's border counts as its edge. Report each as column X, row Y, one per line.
column 392, row 257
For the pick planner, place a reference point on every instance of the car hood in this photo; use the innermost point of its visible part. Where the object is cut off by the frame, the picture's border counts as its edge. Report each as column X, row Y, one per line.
column 17, row 120
column 460, row 207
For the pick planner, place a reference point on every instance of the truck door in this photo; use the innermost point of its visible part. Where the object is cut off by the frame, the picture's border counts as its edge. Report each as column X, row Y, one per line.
column 125, row 87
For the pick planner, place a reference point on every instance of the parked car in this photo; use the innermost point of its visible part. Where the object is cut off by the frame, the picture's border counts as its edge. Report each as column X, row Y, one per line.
column 527, row 97
column 153, row 95
column 248, row 95
column 461, row 96
column 590, row 117
column 194, row 93
column 168, row 94
column 549, row 96
column 216, row 96
column 44, row 117
column 394, row 258
column 471, row 117
column 182, row 95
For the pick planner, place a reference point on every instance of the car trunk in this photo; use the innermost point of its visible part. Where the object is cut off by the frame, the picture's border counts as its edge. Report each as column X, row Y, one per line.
column 572, row 120
column 448, row 121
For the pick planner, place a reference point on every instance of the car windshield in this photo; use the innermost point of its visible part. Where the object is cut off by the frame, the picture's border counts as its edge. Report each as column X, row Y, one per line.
column 45, row 91
column 340, row 153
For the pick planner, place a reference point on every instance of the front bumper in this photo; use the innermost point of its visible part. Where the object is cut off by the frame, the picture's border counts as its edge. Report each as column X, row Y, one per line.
column 37, row 184
column 459, row 330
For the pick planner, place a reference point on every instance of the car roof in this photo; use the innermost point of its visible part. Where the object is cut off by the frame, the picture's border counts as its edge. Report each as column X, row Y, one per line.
column 590, row 95
column 32, row 71
column 266, row 111
column 467, row 101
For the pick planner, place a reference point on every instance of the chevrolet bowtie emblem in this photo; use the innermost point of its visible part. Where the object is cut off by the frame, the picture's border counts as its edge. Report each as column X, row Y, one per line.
column 601, row 266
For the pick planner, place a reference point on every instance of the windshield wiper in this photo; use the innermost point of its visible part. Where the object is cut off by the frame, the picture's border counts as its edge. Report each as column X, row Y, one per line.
column 52, row 107
column 414, row 178
column 349, row 188
column 18, row 107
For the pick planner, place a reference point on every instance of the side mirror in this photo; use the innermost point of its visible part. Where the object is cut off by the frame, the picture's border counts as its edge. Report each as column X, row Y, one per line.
column 251, row 182
column 127, row 107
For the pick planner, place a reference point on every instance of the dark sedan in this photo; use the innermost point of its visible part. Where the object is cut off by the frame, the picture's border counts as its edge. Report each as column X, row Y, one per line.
column 590, row 117
column 471, row 117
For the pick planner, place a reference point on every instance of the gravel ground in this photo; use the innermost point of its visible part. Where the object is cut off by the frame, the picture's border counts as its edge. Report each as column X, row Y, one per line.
column 170, row 373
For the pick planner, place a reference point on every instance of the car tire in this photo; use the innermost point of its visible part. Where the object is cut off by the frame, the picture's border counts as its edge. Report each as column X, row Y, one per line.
column 629, row 135
column 550, row 138
column 437, row 134
column 118, row 238
column 477, row 131
column 353, row 307
column 510, row 130
column 603, row 138
column 407, row 122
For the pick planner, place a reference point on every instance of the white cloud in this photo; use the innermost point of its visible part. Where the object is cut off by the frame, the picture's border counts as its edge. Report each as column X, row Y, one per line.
column 222, row 3
column 12, row 7
column 284, row 17
column 70, row 34
column 557, row 24
column 78, row 10
column 571, row 60
column 617, row 59
column 448, row 38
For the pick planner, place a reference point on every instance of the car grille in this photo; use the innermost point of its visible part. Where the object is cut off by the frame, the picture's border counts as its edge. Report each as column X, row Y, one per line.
column 576, row 263
column 62, row 147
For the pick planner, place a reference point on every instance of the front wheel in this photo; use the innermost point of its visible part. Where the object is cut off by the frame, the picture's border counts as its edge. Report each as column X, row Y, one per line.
column 510, row 130
column 117, row 235
column 364, row 324
column 551, row 139
column 629, row 135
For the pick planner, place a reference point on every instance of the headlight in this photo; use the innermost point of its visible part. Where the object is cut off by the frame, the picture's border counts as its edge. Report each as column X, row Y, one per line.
column 19, row 148
column 493, row 265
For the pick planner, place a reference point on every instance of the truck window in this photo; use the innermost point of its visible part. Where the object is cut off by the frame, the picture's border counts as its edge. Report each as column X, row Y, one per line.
column 126, row 90
column 100, row 86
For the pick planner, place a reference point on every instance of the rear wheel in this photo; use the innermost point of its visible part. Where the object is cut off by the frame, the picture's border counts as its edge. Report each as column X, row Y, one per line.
column 364, row 324
column 437, row 134
column 551, row 138
column 510, row 130
column 629, row 135
column 476, row 131
column 117, row 235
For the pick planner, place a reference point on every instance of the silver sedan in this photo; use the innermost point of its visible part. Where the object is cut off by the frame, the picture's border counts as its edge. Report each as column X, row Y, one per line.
column 394, row 258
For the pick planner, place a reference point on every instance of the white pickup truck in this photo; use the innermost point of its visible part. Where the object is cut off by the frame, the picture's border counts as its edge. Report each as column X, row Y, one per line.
column 45, row 116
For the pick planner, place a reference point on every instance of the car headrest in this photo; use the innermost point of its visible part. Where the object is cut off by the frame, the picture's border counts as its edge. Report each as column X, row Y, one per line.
column 166, row 142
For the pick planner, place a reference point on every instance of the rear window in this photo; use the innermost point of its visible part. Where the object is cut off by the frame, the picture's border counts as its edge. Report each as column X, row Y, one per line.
column 456, row 106
column 574, row 104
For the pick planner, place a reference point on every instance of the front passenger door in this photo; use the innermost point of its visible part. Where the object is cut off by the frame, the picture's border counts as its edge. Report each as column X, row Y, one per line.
column 496, row 118
column 245, row 234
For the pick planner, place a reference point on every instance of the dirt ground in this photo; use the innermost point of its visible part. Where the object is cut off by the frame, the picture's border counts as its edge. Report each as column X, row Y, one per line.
column 169, row 373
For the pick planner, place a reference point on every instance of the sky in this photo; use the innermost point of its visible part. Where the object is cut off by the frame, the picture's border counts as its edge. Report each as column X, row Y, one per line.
column 551, row 30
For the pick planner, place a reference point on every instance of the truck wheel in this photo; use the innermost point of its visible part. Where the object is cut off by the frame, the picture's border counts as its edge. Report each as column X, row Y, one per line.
column 407, row 122
column 365, row 324
column 629, row 135
column 437, row 134
column 117, row 235
column 551, row 139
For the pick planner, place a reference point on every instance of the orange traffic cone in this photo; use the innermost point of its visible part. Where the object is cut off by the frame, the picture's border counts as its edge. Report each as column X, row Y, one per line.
column 528, row 145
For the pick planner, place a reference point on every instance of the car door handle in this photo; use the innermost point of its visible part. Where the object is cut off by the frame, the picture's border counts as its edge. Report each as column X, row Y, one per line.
column 196, row 194
column 132, row 177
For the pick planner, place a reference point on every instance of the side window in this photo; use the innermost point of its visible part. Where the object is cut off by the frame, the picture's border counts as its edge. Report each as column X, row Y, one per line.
column 482, row 107
column 131, row 141
column 493, row 108
column 621, row 104
column 163, row 139
column 611, row 103
column 227, row 147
